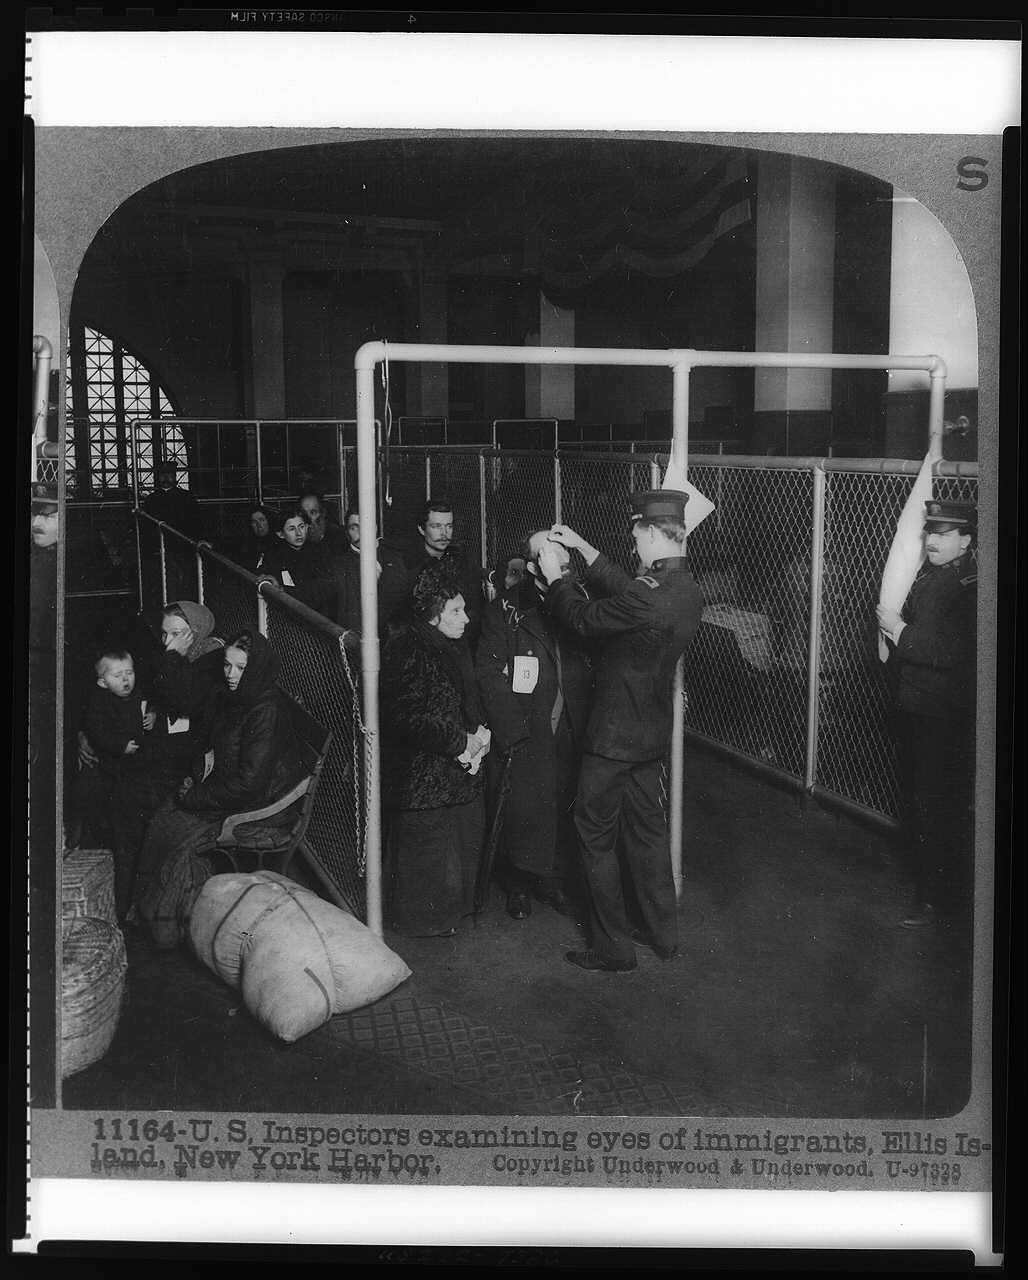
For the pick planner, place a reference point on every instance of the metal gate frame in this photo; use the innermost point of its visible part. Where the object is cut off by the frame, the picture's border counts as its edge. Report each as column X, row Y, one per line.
column 681, row 362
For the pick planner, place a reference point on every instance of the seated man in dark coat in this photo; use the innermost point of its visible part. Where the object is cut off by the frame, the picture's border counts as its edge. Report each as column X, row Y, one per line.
column 392, row 579
column 535, row 678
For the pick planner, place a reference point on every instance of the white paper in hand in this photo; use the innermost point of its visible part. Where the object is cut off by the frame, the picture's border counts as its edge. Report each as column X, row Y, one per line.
column 906, row 555
column 699, row 505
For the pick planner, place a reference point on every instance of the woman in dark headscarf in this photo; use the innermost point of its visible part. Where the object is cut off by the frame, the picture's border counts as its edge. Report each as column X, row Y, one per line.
column 434, row 743
column 252, row 759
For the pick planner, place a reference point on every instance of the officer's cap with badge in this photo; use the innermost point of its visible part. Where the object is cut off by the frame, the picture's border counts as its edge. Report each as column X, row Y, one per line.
column 44, row 499
column 659, row 504
column 941, row 517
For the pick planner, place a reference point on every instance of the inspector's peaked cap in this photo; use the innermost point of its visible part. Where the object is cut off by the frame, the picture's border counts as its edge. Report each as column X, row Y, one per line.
column 951, row 515
column 659, row 502
column 44, row 497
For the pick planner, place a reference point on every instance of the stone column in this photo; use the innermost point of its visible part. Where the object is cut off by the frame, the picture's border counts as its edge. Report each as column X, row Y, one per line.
column 550, row 388
column 428, row 385
column 265, row 391
column 794, row 303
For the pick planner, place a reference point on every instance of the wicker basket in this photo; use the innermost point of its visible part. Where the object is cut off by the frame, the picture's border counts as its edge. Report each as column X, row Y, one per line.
column 92, row 986
column 87, row 885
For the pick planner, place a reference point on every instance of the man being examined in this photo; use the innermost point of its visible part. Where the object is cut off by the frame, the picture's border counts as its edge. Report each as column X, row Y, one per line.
column 644, row 625
column 535, row 678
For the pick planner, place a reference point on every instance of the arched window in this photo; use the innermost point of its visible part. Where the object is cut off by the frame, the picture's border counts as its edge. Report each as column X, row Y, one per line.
column 107, row 388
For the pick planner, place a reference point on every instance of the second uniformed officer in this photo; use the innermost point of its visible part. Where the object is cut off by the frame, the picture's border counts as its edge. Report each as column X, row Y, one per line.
column 932, row 660
column 644, row 624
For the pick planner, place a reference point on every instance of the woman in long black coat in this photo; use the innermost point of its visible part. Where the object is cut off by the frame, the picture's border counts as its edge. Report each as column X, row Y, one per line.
column 434, row 743
column 252, row 758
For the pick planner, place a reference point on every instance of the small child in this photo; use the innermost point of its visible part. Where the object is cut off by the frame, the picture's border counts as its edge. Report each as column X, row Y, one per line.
column 114, row 720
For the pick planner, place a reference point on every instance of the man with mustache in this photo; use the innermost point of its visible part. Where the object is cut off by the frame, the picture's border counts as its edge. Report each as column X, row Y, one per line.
column 933, row 661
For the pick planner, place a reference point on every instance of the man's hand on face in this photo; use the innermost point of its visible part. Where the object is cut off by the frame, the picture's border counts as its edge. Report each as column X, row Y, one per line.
column 178, row 643
column 550, row 565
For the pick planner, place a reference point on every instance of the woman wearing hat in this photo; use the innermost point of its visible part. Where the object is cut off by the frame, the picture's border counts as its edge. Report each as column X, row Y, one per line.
column 933, row 662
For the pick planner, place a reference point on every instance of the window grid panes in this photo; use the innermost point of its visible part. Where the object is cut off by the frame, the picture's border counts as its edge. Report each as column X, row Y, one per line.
column 118, row 388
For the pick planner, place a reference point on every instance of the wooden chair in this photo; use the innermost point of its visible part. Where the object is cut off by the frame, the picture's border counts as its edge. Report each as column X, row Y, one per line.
column 273, row 847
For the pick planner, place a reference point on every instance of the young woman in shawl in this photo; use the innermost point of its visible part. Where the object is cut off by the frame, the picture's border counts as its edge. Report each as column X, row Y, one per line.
column 434, row 743
column 248, row 758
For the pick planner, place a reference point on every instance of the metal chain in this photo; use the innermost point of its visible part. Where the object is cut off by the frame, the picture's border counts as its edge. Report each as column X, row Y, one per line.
column 360, row 731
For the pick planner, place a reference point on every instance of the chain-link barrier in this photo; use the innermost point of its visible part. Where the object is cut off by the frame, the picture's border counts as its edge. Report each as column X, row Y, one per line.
column 748, row 673
column 316, row 670
column 456, row 475
column 854, row 751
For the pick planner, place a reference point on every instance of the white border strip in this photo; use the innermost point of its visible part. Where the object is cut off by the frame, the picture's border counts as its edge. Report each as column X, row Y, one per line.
column 524, row 1216
column 485, row 81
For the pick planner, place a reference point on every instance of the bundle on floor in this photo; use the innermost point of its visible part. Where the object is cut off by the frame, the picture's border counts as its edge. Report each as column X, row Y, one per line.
column 296, row 958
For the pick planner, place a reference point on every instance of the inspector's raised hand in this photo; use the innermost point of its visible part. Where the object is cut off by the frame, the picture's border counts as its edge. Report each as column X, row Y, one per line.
column 566, row 536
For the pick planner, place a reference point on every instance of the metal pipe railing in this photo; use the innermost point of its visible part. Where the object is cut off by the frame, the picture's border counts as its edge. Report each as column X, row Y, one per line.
column 817, row 547
column 42, row 354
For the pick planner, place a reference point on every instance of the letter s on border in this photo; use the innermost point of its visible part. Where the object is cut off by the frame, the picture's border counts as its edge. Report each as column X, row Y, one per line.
column 972, row 173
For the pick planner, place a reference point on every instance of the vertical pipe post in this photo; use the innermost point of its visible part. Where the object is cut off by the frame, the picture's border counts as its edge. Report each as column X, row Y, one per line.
column 135, row 509
column 164, row 563
column 344, row 497
column 680, row 414
column 676, row 787
column 428, row 475
column 483, row 527
column 936, row 405
column 654, row 474
column 199, row 577
column 817, row 548
column 262, row 613
column 260, row 463
column 369, row 638
column 557, row 496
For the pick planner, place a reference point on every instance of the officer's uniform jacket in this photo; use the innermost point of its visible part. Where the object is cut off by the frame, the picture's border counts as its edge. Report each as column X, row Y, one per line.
column 934, row 658
column 645, row 624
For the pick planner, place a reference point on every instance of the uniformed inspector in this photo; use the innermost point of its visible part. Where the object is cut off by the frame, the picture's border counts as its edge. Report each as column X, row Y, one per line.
column 932, row 662
column 644, row 625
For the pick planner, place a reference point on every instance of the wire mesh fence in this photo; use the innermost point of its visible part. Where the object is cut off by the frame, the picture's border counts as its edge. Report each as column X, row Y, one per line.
column 456, row 475
column 317, row 671
column 749, row 684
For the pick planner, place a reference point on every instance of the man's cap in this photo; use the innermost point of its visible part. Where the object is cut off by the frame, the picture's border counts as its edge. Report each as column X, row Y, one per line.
column 943, row 516
column 44, row 498
column 659, row 503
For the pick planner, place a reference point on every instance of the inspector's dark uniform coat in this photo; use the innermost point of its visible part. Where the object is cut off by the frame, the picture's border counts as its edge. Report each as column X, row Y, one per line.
column 545, row 729
column 644, row 624
column 933, row 666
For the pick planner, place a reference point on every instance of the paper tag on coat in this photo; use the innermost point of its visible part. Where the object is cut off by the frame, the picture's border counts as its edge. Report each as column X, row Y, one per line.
column 208, row 763
column 287, row 578
column 181, row 725
column 526, row 674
